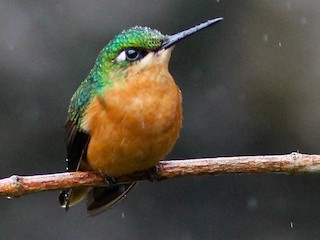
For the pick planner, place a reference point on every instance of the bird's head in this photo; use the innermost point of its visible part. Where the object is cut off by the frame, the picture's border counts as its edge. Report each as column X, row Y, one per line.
column 131, row 46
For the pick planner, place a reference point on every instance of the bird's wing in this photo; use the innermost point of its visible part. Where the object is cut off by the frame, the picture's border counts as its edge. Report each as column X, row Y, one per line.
column 77, row 138
column 77, row 143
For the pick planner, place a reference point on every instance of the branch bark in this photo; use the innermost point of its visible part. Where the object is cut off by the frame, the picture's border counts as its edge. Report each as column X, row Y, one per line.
column 293, row 163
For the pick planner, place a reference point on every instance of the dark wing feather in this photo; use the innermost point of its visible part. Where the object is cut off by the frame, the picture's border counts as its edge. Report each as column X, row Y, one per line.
column 76, row 138
column 77, row 143
column 102, row 198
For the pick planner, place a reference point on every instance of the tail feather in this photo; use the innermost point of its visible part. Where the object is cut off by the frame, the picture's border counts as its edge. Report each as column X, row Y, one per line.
column 70, row 197
column 101, row 198
column 98, row 198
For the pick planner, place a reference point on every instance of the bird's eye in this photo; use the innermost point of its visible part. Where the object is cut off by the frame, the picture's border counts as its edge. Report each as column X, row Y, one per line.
column 131, row 55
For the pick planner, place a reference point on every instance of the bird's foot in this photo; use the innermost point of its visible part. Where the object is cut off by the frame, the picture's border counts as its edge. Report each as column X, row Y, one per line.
column 110, row 181
column 152, row 173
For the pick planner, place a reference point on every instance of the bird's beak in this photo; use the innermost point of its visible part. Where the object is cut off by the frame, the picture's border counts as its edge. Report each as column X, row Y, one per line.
column 173, row 39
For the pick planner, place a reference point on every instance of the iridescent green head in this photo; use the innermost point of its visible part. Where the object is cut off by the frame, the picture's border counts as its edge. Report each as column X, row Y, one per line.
column 135, row 43
column 129, row 46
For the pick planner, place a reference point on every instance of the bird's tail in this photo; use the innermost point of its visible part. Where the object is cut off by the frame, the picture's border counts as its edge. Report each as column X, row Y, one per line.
column 101, row 198
column 98, row 198
column 70, row 197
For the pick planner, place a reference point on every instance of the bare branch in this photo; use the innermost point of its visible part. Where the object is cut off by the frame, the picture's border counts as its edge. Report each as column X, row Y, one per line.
column 16, row 186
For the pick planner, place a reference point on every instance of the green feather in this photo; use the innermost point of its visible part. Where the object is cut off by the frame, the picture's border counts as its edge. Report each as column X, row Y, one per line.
column 99, row 76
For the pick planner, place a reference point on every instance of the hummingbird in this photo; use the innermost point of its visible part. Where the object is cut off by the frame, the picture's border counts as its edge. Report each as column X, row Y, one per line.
column 126, row 115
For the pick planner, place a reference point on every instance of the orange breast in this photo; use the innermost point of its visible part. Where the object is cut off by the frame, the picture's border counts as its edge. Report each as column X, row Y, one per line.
column 134, row 125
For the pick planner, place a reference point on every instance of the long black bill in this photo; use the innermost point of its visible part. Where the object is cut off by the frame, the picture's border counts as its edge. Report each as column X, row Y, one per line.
column 173, row 39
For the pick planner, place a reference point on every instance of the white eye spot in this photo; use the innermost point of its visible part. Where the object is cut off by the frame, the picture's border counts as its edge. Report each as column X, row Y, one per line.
column 121, row 57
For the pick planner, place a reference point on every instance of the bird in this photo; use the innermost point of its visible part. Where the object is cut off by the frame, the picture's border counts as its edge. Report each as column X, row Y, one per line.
column 126, row 115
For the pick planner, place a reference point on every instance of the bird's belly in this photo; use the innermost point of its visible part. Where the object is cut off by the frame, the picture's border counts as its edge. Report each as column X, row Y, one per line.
column 118, row 151
column 131, row 138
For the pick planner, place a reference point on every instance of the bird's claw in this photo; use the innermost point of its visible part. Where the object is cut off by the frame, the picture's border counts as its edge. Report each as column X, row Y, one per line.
column 110, row 181
column 153, row 173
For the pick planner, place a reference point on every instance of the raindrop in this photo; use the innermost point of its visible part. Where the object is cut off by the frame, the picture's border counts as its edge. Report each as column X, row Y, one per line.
column 303, row 21
column 288, row 5
column 265, row 37
column 252, row 203
column 186, row 236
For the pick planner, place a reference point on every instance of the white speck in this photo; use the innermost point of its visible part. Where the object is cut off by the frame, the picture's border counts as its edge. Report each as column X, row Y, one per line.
column 122, row 215
column 265, row 37
column 252, row 203
column 291, row 224
column 9, row 198
column 280, row 44
column 218, row 1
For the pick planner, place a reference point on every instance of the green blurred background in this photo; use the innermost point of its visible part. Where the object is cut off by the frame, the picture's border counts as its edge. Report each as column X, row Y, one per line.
column 250, row 87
